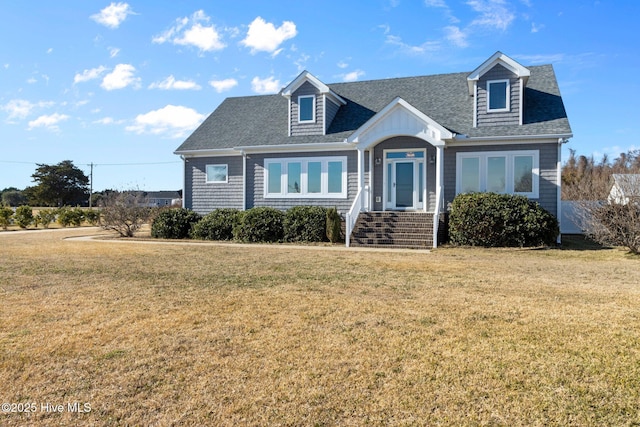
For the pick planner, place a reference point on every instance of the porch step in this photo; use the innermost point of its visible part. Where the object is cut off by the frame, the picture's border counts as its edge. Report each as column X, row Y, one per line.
column 412, row 230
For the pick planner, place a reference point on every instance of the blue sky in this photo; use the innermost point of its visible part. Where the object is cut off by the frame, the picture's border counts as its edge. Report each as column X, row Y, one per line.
column 122, row 84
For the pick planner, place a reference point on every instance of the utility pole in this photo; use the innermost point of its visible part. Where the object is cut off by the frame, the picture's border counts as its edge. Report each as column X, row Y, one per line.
column 90, row 184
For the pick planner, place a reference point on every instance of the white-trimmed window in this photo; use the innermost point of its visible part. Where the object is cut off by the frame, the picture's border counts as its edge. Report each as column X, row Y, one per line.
column 507, row 172
column 307, row 109
column 306, row 177
column 217, row 174
column 498, row 95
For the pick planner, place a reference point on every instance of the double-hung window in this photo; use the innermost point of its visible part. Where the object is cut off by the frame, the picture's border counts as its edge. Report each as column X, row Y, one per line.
column 498, row 95
column 506, row 172
column 306, row 177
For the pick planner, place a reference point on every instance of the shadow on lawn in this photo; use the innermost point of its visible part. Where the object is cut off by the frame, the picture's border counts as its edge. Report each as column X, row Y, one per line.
column 578, row 242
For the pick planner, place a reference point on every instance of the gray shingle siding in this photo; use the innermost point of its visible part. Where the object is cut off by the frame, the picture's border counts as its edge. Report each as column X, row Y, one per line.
column 548, row 156
column 302, row 129
column 507, row 118
column 204, row 197
column 255, row 182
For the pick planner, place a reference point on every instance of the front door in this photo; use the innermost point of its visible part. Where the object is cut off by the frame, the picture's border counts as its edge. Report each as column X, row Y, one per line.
column 404, row 175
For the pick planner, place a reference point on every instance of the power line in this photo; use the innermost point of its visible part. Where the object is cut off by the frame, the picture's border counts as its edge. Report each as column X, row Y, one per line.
column 99, row 164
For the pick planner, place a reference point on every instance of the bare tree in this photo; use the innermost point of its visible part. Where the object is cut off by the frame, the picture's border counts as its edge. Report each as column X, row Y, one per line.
column 124, row 212
column 607, row 220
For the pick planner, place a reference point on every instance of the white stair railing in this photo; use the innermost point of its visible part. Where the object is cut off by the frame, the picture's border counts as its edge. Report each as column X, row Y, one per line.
column 361, row 200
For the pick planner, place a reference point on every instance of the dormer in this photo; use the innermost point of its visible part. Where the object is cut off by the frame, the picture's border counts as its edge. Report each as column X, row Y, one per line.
column 497, row 87
column 312, row 105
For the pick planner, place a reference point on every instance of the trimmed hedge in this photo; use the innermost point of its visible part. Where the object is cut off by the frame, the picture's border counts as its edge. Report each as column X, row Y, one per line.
column 500, row 220
column 174, row 223
column 305, row 224
column 216, row 225
column 262, row 224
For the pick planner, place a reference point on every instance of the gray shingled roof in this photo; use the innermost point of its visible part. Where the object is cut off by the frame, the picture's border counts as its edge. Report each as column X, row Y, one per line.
column 262, row 120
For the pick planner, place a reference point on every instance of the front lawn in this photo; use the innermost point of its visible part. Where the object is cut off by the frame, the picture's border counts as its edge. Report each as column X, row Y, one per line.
column 170, row 334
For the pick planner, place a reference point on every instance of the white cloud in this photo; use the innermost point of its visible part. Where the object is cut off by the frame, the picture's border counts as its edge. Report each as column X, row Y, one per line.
column 90, row 74
column 264, row 36
column 171, row 83
column 21, row 108
column 264, row 86
column 32, row 80
column 553, row 58
column 113, row 15
column 352, row 76
column 223, row 85
column 343, row 64
column 536, row 27
column 192, row 32
column 105, row 121
column 407, row 49
column 493, row 14
column 175, row 121
column 121, row 77
column 456, row 36
column 49, row 122
column 435, row 3
column 50, row 50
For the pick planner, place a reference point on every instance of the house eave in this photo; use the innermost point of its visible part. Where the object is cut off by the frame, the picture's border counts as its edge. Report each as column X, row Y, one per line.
column 463, row 140
column 310, row 147
column 208, row 152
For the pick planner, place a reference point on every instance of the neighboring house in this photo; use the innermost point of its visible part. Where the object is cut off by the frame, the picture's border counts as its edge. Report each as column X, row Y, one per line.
column 388, row 154
column 625, row 188
column 163, row 198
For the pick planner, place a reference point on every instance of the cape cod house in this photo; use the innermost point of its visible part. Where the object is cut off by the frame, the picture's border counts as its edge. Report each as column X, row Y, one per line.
column 389, row 154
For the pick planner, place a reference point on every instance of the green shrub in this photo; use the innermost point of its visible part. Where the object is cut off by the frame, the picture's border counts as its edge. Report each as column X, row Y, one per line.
column 216, row 225
column 305, row 224
column 174, row 223
column 70, row 216
column 5, row 216
column 46, row 217
column 92, row 216
column 262, row 224
column 23, row 216
column 500, row 220
column 334, row 225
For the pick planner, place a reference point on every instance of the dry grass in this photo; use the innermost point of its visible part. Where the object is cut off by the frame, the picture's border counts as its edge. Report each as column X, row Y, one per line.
column 152, row 334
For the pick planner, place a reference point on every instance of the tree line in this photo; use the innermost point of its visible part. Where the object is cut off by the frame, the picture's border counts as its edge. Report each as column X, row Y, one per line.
column 585, row 178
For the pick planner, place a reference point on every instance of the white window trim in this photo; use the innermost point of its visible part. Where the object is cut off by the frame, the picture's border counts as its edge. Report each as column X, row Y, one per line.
column 507, row 96
column 510, row 159
column 304, row 194
column 313, row 113
column 226, row 180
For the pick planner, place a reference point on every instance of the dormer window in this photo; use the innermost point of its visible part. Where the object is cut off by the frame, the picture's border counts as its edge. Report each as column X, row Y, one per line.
column 498, row 95
column 307, row 109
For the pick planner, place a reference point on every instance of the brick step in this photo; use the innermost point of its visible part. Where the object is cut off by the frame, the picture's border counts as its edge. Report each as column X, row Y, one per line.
column 412, row 230
column 381, row 243
column 379, row 235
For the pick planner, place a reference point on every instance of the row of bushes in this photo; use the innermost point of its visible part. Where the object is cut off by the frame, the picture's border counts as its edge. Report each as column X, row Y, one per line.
column 66, row 216
column 261, row 224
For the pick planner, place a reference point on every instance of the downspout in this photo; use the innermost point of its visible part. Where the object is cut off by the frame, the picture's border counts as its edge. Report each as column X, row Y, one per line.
column 244, row 180
column 559, row 189
column 184, row 181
